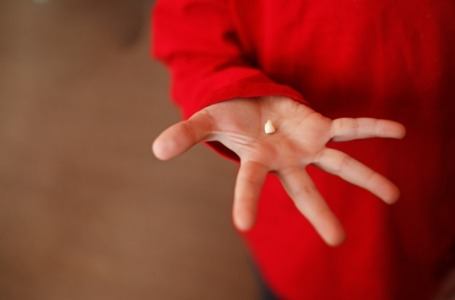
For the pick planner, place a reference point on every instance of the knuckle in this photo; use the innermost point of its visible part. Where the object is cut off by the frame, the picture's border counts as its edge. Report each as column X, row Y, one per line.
column 342, row 161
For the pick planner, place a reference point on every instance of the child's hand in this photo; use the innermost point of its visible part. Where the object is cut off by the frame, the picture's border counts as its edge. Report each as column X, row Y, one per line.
column 300, row 140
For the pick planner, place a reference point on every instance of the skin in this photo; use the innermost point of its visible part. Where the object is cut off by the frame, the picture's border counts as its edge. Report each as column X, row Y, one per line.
column 300, row 140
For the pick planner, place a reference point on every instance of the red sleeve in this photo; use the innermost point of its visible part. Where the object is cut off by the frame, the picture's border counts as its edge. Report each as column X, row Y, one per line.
column 197, row 41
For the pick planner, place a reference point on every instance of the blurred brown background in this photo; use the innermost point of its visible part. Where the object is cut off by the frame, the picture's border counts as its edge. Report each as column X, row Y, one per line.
column 86, row 211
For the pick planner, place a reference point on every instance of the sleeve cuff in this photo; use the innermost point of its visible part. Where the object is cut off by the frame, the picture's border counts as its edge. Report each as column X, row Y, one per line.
column 252, row 87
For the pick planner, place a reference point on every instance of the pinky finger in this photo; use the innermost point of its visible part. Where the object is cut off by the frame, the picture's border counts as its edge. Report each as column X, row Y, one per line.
column 347, row 129
column 250, row 178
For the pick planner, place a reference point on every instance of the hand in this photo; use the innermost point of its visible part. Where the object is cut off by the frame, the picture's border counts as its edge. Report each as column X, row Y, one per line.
column 300, row 140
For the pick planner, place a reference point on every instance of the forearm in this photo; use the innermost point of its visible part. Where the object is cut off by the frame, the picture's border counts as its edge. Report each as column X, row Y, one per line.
column 196, row 40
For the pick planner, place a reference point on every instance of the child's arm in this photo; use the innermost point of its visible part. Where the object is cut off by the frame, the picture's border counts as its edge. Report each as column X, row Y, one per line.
column 195, row 38
column 300, row 139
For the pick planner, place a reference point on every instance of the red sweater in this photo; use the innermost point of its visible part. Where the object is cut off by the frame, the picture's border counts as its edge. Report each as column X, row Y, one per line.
column 357, row 58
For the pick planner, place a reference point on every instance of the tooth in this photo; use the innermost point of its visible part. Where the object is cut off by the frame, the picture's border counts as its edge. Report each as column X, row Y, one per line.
column 269, row 128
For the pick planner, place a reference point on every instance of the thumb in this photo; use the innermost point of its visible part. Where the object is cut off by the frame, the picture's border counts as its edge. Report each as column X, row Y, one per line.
column 183, row 135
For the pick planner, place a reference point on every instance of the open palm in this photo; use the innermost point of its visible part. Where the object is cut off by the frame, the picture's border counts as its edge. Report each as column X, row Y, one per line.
column 300, row 140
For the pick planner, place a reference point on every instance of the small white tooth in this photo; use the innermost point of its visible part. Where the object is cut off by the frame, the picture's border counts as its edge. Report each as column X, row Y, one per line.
column 269, row 128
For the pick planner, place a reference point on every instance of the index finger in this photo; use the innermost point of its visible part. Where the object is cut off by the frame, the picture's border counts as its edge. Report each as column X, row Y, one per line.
column 248, row 187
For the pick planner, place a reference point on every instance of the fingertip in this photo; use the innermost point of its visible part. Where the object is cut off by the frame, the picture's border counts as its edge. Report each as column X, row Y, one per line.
column 393, row 196
column 242, row 226
column 336, row 239
column 335, row 243
column 242, row 221
column 392, row 129
column 388, row 192
column 401, row 131
column 162, row 149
